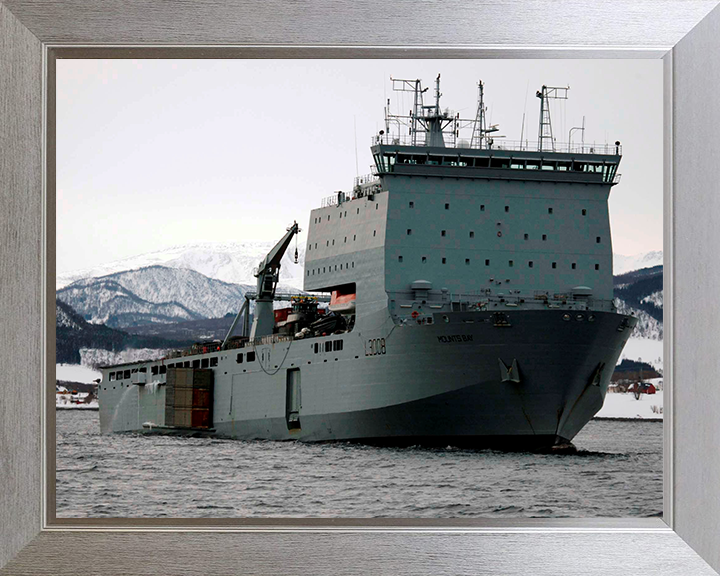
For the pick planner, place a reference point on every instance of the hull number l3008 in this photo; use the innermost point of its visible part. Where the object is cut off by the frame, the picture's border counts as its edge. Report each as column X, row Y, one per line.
column 375, row 346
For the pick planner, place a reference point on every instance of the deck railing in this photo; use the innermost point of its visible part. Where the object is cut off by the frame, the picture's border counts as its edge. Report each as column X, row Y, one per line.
column 503, row 144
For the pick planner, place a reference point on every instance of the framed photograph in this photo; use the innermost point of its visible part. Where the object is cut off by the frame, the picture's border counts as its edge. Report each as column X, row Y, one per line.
column 34, row 541
column 195, row 196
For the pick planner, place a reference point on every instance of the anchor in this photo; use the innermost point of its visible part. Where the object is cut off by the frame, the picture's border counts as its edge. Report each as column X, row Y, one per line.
column 511, row 374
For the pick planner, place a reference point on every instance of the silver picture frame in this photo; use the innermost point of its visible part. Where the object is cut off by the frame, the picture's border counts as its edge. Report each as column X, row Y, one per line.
column 684, row 33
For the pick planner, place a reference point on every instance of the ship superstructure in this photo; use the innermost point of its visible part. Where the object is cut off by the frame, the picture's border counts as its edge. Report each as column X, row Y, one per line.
column 471, row 301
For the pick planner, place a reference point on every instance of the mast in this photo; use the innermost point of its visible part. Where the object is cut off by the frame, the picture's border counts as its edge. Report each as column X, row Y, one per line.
column 480, row 129
column 545, row 130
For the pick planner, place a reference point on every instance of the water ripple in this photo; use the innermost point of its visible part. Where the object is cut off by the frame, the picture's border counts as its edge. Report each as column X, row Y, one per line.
column 135, row 475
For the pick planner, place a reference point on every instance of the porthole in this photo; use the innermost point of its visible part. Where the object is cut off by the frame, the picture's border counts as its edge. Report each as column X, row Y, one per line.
column 591, row 318
column 579, row 317
column 566, row 317
column 446, row 319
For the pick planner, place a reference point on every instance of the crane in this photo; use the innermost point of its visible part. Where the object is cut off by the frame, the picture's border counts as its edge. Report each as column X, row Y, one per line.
column 268, row 274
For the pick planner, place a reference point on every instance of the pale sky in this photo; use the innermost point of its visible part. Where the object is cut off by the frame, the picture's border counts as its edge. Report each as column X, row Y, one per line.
column 158, row 153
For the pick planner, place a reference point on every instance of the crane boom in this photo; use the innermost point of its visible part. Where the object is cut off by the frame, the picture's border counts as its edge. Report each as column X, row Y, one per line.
column 268, row 274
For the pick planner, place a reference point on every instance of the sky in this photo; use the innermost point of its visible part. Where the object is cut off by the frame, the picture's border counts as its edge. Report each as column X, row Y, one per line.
column 159, row 153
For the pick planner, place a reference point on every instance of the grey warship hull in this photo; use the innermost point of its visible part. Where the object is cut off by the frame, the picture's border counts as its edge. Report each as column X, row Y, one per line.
column 439, row 384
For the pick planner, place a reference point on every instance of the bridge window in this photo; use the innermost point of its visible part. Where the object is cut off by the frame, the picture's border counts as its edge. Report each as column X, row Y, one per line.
column 112, row 376
column 214, row 361
column 196, row 363
column 328, row 346
column 251, row 356
column 205, row 362
column 154, row 370
column 337, row 345
column 126, row 374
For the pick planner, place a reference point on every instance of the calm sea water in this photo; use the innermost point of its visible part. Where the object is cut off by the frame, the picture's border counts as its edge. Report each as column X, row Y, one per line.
column 617, row 472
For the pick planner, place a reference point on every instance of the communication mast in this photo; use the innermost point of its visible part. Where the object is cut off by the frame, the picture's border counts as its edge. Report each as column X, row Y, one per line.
column 545, row 132
column 426, row 123
column 429, row 125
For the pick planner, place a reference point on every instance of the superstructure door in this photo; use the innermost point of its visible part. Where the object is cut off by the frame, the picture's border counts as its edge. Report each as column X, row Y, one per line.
column 292, row 400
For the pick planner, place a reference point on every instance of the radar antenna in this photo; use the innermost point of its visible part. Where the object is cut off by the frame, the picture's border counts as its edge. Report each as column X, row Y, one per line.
column 545, row 132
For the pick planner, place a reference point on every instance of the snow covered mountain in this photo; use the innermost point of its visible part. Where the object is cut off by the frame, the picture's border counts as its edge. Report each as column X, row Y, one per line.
column 73, row 333
column 231, row 262
column 154, row 294
column 623, row 264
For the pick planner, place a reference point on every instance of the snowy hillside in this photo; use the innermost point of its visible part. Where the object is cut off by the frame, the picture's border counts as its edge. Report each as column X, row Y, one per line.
column 623, row 264
column 231, row 262
column 94, row 357
column 656, row 299
column 647, row 326
column 152, row 294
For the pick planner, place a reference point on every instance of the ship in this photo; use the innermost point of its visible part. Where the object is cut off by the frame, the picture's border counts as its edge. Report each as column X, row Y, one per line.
column 459, row 295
